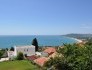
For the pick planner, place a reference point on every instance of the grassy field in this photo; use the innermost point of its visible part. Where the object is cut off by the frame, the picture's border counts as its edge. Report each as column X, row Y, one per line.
column 17, row 65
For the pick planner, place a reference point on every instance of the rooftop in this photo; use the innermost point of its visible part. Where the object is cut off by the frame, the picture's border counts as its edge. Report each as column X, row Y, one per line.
column 50, row 50
column 27, row 46
column 40, row 61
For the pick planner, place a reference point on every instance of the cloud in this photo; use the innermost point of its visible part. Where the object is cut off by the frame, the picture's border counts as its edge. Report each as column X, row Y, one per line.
column 86, row 26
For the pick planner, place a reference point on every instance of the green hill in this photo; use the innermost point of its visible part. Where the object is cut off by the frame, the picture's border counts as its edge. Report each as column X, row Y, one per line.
column 80, row 36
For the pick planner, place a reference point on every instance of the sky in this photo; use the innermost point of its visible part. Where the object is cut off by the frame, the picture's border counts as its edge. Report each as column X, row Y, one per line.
column 45, row 17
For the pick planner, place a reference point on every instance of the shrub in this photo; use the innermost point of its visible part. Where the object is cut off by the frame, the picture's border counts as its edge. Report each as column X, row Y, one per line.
column 20, row 56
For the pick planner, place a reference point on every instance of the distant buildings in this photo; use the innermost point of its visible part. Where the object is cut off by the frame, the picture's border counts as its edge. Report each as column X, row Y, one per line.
column 40, row 58
column 45, row 55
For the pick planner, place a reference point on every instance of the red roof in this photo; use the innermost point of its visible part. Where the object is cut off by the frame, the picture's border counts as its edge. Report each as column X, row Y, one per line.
column 33, row 57
column 50, row 50
column 40, row 61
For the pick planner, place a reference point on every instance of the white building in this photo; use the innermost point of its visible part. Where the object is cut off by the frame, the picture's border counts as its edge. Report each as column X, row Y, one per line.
column 26, row 50
column 42, row 54
column 11, row 54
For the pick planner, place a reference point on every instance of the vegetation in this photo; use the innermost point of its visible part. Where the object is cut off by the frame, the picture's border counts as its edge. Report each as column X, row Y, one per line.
column 35, row 43
column 74, row 57
column 2, row 52
column 17, row 65
column 20, row 56
column 80, row 36
column 89, row 41
column 12, row 49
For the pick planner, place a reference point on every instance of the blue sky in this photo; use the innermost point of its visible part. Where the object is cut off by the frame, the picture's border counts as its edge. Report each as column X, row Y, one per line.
column 45, row 17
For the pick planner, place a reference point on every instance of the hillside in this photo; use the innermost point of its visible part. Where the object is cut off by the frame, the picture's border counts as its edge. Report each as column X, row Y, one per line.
column 79, row 36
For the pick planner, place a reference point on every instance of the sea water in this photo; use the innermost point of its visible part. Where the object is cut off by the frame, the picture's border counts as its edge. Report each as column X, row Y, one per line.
column 43, row 40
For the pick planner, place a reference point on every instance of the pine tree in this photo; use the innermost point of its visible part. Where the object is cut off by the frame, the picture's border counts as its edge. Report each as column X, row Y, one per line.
column 35, row 43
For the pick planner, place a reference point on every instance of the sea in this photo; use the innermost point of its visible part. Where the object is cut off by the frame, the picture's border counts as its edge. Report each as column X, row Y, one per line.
column 43, row 40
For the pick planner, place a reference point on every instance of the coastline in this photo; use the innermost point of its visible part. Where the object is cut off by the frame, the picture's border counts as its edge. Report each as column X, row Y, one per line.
column 78, row 40
column 43, row 40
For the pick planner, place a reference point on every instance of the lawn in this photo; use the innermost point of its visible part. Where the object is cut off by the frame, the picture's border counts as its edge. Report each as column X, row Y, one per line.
column 17, row 65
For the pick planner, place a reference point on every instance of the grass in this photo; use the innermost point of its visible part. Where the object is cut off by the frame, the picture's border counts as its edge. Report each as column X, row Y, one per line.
column 18, row 65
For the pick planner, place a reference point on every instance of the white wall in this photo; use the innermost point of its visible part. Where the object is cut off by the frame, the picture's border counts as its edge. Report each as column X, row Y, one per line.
column 4, row 59
column 29, row 50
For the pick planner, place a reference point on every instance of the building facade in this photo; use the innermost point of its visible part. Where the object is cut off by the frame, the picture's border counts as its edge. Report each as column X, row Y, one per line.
column 26, row 50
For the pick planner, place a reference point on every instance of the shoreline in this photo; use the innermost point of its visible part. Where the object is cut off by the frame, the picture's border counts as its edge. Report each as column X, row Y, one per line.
column 78, row 40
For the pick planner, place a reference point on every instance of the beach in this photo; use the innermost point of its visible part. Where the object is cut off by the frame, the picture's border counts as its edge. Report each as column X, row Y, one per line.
column 78, row 40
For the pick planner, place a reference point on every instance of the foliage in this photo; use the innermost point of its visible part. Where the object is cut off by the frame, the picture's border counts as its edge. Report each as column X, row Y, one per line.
column 2, row 52
column 89, row 41
column 80, row 36
column 20, row 56
column 35, row 43
column 74, row 58
column 12, row 49
column 57, row 63
column 6, row 49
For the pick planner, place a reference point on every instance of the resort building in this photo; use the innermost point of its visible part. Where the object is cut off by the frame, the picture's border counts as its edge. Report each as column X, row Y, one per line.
column 26, row 50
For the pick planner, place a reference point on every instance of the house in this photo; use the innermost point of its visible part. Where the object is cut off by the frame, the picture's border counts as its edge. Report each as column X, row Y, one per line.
column 11, row 54
column 50, row 50
column 28, row 50
column 41, row 61
column 42, row 54
column 38, row 53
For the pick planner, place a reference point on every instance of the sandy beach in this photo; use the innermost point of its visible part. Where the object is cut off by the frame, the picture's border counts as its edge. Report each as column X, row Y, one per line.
column 78, row 40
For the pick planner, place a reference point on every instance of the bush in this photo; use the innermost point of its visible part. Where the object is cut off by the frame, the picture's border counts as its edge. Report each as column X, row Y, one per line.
column 20, row 56
column 74, row 58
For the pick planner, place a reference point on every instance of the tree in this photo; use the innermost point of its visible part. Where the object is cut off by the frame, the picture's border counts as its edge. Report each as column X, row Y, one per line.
column 6, row 49
column 57, row 63
column 20, row 56
column 2, row 51
column 12, row 49
column 0, row 55
column 74, row 58
column 35, row 43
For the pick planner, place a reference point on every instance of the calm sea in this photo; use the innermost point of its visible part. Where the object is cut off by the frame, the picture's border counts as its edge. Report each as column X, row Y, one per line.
column 43, row 40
